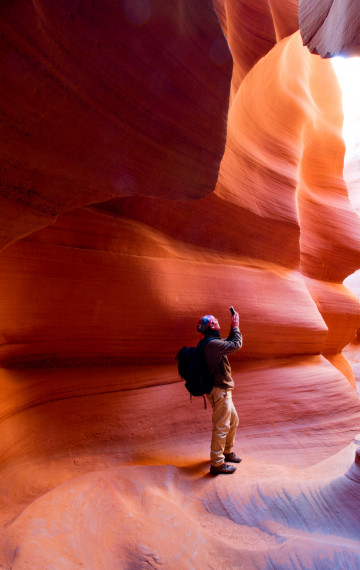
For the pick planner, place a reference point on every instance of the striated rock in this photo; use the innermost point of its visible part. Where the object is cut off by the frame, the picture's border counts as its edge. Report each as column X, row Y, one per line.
column 95, row 283
column 344, row 365
column 295, row 412
column 315, row 521
column 304, row 412
column 330, row 232
column 282, row 516
column 108, row 99
column 160, row 189
column 330, row 27
column 250, row 32
column 253, row 28
column 285, row 16
column 340, row 310
column 257, row 160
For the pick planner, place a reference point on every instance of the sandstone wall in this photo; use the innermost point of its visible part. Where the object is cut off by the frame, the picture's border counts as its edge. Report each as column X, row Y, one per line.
column 143, row 185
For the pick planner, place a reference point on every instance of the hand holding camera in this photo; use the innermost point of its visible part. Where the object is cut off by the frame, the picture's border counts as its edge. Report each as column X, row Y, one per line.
column 234, row 317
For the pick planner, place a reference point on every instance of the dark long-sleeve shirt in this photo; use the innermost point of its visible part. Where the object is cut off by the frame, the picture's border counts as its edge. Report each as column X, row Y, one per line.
column 216, row 357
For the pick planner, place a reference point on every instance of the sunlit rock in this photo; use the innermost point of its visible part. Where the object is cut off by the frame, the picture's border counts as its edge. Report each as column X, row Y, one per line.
column 141, row 190
column 330, row 27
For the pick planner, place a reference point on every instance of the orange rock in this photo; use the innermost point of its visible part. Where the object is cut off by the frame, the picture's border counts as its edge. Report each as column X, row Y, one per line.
column 114, row 120
column 108, row 100
column 95, row 284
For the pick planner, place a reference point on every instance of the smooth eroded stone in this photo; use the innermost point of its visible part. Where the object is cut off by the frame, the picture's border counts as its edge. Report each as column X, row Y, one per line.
column 93, row 288
column 330, row 27
column 104, row 99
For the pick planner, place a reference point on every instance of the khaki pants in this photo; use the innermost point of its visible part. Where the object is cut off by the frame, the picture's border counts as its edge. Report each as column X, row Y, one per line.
column 225, row 421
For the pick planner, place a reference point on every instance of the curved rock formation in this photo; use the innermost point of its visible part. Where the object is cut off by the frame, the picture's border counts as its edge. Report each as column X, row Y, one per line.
column 314, row 523
column 120, row 279
column 91, row 92
column 330, row 27
column 117, row 115
column 283, row 520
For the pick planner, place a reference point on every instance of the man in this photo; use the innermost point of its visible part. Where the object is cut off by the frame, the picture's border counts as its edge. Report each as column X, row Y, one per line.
column 224, row 419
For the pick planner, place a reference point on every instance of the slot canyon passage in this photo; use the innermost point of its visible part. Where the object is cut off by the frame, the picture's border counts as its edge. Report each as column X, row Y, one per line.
column 162, row 160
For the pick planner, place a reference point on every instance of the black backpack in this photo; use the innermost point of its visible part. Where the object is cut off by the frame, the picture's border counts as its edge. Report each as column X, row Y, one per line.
column 193, row 369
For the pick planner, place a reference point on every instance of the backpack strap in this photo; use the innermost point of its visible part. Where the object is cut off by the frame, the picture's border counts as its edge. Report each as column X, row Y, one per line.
column 205, row 406
column 202, row 344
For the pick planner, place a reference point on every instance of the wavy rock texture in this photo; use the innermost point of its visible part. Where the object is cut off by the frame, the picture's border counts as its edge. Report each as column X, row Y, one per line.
column 330, row 27
column 92, row 90
column 114, row 146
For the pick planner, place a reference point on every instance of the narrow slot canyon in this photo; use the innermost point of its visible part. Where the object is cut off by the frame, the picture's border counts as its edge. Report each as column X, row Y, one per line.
column 163, row 160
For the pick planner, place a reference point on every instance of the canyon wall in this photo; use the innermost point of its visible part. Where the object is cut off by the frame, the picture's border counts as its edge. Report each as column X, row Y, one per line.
column 163, row 161
column 330, row 27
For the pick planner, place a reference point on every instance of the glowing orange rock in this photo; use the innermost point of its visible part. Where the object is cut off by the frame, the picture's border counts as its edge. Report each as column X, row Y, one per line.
column 95, row 306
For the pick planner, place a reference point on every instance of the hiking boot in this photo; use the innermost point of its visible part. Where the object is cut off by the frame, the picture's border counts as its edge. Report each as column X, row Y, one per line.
column 224, row 468
column 232, row 457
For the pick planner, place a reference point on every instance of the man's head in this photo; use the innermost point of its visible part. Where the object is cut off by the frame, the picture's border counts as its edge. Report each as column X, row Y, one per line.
column 208, row 322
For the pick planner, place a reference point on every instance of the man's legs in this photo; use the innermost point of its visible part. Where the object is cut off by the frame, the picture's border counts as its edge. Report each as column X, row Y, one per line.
column 234, row 422
column 225, row 421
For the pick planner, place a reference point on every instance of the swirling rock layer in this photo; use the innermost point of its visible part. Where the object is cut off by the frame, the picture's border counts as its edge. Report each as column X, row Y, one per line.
column 97, row 96
column 330, row 27
column 138, row 524
column 126, row 217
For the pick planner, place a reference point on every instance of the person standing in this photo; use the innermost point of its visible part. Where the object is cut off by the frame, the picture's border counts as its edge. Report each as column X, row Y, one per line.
column 224, row 417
